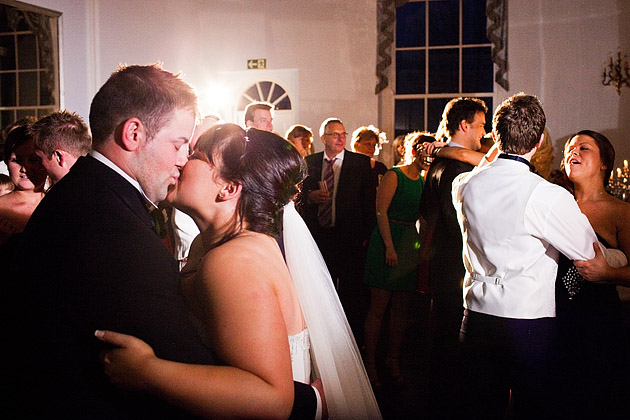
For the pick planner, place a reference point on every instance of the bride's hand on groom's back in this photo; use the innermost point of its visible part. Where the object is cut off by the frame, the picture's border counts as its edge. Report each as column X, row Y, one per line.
column 126, row 359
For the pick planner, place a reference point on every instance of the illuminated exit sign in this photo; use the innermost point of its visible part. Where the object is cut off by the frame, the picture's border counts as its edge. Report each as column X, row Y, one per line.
column 257, row 64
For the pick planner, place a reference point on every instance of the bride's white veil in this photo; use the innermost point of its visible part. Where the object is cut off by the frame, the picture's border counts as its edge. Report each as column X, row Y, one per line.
column 336, row 357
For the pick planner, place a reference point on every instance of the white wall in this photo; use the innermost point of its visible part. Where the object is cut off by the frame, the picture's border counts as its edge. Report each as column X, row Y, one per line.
column 557, row 50
column 332, row 43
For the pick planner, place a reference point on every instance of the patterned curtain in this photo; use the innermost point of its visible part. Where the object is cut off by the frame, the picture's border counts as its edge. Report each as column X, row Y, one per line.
column 386, row 20
column 41, row 26
column 497, row 30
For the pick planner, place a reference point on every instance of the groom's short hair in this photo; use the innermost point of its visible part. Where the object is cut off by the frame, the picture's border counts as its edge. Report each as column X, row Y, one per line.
column 148, row 93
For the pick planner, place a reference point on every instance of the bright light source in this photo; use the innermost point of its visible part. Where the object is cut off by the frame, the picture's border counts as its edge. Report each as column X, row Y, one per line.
column 214, row 99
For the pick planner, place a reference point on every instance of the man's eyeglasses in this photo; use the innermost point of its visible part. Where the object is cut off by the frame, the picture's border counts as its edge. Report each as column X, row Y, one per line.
column 337, row 136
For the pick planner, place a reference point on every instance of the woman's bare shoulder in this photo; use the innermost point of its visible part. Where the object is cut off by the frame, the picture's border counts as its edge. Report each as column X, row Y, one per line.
column 248, row 256
column 7, row 201
column 617, row 210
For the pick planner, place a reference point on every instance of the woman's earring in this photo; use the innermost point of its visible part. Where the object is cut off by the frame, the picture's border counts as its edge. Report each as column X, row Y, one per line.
column 221, row 196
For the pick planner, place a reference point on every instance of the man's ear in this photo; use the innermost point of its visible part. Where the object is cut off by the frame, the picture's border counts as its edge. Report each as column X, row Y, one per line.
column 58, row 157
column 542, row 137
column 463, row 126
column 134, row 133
column 64, row 159
column 229, row 191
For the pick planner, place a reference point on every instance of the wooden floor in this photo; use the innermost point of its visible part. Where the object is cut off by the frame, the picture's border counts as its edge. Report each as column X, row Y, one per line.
column 410, row 400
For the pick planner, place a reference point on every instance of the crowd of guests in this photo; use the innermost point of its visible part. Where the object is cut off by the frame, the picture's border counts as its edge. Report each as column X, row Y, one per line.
column 521, row 262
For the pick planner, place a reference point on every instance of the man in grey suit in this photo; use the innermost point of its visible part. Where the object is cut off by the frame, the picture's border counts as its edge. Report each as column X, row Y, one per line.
column 339, row 207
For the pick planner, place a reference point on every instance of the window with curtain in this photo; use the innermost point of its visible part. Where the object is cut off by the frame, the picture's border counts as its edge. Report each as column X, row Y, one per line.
column 29, row 63
column 441, row 52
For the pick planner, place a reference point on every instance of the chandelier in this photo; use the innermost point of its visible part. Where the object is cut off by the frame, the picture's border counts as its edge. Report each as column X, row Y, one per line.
column 617, row 72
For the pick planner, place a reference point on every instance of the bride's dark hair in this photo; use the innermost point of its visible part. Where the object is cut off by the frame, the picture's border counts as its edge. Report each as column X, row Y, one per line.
column 268, row 168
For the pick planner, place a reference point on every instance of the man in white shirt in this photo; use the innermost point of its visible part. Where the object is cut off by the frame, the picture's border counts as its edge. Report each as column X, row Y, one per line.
column 514, row 223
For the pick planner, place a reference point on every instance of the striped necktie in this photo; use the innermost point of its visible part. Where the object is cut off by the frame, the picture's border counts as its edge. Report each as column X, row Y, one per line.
column 324, row 214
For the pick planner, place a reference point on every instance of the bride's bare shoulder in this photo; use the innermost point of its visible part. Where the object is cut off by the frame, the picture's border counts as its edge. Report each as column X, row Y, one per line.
column 249, row 255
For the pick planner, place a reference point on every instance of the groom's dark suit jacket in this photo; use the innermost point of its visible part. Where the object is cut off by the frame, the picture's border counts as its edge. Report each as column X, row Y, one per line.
column 91, row 259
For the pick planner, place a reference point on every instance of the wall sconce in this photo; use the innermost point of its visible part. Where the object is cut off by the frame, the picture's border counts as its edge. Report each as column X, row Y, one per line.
column 617, row 72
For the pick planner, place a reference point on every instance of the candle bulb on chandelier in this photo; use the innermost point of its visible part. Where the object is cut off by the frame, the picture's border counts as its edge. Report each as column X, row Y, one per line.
column 625, row 165
column 618, row 172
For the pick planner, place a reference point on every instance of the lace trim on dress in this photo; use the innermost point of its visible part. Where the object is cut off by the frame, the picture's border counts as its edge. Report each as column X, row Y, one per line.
column 299, row 343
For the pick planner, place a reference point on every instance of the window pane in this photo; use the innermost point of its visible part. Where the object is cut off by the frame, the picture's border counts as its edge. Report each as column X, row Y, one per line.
column 42, row 112
column 7, row 52
column 253, row 93
column 409, row 116
column 23, row 113
column 410, row 72
column 434, row 112
column 27, row 52
column 277, row 92
column 45, row 94
column 477, row 70
column 443, row 71
column 28, row 88
column 444, row 22
column 474, row 22
column 285, row 103
column 7, row 118
column 410, row 29
column 4, row 19
column 7, row 89
column 265, row 86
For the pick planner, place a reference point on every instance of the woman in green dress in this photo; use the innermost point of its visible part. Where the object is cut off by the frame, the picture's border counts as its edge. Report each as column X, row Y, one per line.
column 392, row 258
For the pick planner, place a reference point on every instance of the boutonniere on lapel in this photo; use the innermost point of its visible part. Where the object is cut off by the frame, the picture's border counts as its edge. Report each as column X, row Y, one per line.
column 160, row 222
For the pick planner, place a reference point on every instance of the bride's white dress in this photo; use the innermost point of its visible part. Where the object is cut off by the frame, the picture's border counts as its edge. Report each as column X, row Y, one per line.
column 326, row 348
column 300, row 345
column 333, row 351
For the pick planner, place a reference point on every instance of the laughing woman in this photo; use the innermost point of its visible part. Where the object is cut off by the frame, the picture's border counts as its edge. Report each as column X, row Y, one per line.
column 589, row 313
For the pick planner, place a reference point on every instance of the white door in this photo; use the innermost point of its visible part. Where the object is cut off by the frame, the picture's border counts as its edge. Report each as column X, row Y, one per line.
column 278, row 87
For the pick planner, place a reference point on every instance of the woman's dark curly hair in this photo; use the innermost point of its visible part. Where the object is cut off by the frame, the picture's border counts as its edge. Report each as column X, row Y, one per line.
column 268, row 168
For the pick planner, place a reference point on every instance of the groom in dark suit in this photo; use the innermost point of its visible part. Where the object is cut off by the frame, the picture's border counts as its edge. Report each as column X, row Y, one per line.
column 338, row 206
column 90, row 258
